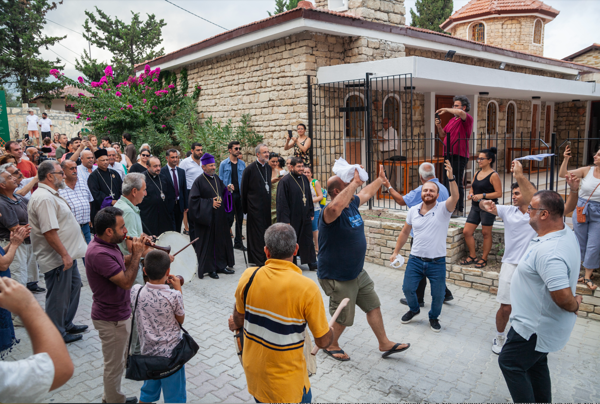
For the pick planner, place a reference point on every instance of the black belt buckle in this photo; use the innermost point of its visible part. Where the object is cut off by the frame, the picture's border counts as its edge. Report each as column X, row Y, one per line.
column 426, row 259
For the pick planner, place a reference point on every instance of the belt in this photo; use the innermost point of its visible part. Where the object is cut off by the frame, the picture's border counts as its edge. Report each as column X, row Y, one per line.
column 427, row 259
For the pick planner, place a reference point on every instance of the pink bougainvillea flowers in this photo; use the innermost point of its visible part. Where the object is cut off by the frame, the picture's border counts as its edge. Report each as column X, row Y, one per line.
column 164, row 126
column 130, row 106
column 105, row 117
column 118, row 94
column 95, row 84
column 144, row 100
column 155, row 80
column 80, row 79
column 55, row 73
column 108, row 71
column 147, row 69
column 171, row 86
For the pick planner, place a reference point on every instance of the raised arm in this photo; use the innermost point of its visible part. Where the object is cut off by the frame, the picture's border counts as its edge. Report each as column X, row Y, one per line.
column 27, row 188
column 77, row 153
column 573, row 197
column 394, row 194
column 453, row 200
column 579, row 172
column 370, row 190
column 340, row 202
column 289, row 143
column 526, row 187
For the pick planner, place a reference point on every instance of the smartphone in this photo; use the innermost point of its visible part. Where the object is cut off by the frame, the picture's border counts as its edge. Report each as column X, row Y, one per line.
column 290, row 134
column 437, row 116
column 86, row 138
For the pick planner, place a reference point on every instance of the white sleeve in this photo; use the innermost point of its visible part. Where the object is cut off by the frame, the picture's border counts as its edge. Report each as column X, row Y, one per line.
column 409, row 216
column 27, row 380
column 502, row 211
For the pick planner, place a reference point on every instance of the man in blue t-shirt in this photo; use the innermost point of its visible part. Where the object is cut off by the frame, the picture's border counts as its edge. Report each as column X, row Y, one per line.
column 413, row 198
column 342, row 249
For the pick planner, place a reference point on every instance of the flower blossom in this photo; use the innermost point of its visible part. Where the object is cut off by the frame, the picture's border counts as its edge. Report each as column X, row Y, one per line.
column 95, row 84
column 81, row 95
column 104, row 117
column 144, row 100
column 118, row 94
column 119, row 85
column 171, row 86
column 108, row 71
column 88, row 119
column 78, row 116
column 147, row 69
column 80, row 79
column 55, row 73
column 164, row 126
column 155, row 80
column 130, row 106
column 103, row 80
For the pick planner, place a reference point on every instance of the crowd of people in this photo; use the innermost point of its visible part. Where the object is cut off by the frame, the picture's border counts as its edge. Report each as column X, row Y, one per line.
column 92, row 202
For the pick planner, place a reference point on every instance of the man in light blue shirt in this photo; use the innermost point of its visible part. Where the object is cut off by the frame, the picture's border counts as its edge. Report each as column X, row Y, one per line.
column 544, row 305
column 230, row 172
column 413, row 198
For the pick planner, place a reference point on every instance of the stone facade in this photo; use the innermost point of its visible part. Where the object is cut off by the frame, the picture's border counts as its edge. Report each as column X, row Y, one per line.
column 514, row 33
column 591, row 58
column 62, row 122
column 570, row 118
column 385, row 11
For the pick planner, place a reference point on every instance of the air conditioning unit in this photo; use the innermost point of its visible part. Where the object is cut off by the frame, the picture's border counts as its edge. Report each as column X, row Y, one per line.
column 337, row 5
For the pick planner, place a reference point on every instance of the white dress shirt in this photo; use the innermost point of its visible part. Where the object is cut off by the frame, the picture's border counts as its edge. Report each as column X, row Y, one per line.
column 83, row 173
column 27, row 380
column 390, row 139
column 118, row 167
column 192, row 170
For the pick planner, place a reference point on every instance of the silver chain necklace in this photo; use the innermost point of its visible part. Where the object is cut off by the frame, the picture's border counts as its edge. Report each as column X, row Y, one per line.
column 162, row 195
column 262, row 176
column 112, row 195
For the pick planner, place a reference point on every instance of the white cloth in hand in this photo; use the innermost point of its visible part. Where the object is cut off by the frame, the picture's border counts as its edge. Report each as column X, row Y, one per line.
column 398, row 262
column 345, row 171
column 535, row 157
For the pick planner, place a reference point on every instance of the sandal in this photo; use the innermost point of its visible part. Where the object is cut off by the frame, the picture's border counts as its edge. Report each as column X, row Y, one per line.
column 467, row 261
column 481, row 263
column 589, row 282
column 581, row 279
column 338, row 352
column 394, row 350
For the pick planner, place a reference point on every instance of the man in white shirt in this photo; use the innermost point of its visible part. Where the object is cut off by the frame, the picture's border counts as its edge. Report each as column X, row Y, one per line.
column 429, row 220
column 29, row 380
column 193, row 168
column 113, row 163
column 32, row 126
column 517, row 235
column 45, row 126
column 87, row 165
column 389, row 142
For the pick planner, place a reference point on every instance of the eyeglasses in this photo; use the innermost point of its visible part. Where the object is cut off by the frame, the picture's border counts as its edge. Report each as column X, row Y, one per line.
column 236, row 148
column 58, row 172
column 532, row 208
column 482, row 158
column 145, row 155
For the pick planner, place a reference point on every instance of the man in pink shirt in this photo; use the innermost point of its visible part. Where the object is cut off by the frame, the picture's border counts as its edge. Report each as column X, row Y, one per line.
column 459, row 128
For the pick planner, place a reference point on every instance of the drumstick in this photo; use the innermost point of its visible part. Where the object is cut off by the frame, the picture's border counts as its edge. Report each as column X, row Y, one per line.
column 186, row 247
column 343, row 304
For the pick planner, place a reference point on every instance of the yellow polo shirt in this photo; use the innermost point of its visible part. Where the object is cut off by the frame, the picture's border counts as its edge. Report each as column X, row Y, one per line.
column 281, row 302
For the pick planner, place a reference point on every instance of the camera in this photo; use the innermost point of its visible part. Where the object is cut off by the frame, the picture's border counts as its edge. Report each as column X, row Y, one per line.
column 43, row 155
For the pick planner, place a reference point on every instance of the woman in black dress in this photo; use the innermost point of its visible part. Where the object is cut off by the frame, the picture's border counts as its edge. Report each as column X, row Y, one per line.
column 486, row 185
column 142, row 165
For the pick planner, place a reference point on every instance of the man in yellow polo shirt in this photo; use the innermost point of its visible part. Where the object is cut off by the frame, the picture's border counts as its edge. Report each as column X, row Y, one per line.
column 280, row 302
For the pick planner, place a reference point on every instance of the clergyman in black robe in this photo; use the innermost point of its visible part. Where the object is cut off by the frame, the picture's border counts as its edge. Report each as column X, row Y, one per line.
column 209, row 203
column 154, row 209
column 295, row 207
column 256, row 204
column 103, row 182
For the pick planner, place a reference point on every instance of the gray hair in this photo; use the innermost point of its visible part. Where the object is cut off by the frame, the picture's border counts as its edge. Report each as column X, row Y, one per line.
column 109, row 149
column 280, row 239
column 427, row 170
column 132, row 180
column 464, row 102
column 2, row 179
column 144, row 146
column 47, row 167
column 5, row 167
column 258, row 147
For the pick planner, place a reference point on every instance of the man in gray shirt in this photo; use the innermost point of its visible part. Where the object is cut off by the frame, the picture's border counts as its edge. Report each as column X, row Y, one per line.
column 544, row 305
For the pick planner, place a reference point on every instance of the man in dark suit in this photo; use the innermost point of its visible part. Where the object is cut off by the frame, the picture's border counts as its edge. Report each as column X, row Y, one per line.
column 176, row 189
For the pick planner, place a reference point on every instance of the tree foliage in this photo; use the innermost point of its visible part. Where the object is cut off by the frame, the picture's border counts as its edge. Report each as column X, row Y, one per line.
column 11, row 98
column 93, row 70
column 129, row 44
column 281, row 6
column 21, row 39
column 431, row 14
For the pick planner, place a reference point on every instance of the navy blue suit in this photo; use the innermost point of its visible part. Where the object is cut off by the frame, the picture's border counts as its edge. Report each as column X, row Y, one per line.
column 174, row 205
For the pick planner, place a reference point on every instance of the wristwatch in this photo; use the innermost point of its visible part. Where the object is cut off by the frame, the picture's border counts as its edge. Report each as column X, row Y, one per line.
column 453, row 179
column 483, row 196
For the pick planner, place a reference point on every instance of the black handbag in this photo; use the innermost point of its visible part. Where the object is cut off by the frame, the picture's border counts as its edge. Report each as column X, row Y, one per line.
column 146, row 367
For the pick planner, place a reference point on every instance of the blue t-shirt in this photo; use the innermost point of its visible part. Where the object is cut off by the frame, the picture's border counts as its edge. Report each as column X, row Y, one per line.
column 342, row 245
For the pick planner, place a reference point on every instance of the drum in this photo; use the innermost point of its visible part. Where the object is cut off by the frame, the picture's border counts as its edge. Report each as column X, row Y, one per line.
column 186, row 262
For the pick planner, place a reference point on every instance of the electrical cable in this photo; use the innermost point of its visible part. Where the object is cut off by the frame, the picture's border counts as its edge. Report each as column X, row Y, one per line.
column 77, row 32
column 196, row 15
column 60, row 56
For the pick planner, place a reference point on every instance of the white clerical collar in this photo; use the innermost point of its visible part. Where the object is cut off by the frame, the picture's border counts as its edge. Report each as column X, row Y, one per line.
column 210, row 176
column 258, row 161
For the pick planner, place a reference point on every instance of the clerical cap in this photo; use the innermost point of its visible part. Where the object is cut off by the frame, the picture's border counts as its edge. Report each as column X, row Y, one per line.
column 207, row 159
column 100, row 152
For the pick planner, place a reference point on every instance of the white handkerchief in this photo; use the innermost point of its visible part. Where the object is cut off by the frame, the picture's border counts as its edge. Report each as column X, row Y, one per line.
column 535, row 157
column 398, row 262
column 345, row 171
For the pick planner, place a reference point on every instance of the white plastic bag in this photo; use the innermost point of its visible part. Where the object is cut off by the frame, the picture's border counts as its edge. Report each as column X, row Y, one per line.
column 398, row 262
column 345, row 171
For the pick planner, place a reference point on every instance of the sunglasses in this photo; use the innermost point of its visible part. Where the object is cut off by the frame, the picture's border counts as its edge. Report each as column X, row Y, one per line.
column 145, row 155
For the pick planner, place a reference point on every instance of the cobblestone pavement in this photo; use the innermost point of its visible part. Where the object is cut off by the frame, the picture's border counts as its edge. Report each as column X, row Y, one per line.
column 455, row 365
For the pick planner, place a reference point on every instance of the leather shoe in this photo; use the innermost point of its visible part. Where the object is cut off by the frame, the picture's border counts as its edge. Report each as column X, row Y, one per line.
column 240, row 247
column 72, row 338
column 77, row 329
column 213, row 275
column 37, row 289
column 226, row 271
column 131, row 400
column 313, row 266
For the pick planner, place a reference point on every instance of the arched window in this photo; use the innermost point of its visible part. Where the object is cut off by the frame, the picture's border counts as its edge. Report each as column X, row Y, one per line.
column 391, row 111
column 537, row 32
column 511, row 114
column 478, row 32
column 492, row 118
column 355, row 117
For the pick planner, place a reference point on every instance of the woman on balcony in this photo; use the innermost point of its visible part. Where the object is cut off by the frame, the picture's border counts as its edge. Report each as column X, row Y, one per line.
column 486, row 185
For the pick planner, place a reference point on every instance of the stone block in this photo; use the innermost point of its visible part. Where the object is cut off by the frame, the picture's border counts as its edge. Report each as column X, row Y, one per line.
column 493, row 290
column 491, row 275
column 386, row 6
column 456, row 268
column 597, row 310
column 392, row 226
column 373, row 4
column 372, row 223
column 456, row 276
column 463, row 283
column 481, row 287
column 381, row 16
column 480, row 280
column 594, row 316
column 471, row 271
column 591, row 300
column 586, row 307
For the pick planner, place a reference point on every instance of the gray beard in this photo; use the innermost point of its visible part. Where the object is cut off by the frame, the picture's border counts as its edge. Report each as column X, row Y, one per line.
column 60, row 184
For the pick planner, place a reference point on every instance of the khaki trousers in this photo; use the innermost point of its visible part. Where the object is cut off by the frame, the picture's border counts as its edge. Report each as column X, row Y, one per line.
column 114, row 336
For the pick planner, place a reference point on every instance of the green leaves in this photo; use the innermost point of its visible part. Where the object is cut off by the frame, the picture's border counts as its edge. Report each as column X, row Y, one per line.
column 281, row 6
column 431, row 14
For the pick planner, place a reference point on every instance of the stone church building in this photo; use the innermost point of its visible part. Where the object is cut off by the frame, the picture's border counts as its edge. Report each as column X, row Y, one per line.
column 342, row 66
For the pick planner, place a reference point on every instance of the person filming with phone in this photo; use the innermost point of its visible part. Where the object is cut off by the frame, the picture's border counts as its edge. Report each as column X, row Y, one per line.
column 301, row 144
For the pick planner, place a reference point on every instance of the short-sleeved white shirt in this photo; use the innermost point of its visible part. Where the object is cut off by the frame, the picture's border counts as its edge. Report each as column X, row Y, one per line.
column 32, row 122
column 430, row 231
column 192, row 170
column 517, row 233
column 45, row 124
column 390, row 140
column 27, row 380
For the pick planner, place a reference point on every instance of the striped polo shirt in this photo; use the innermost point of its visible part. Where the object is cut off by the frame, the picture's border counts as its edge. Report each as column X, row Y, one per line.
column 281, row 303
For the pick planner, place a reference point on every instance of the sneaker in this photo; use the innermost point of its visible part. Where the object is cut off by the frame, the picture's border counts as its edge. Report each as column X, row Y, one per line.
column 435, row 324
column 404, row 302
column 498, row 344
column 407, row 318
column 448, row 298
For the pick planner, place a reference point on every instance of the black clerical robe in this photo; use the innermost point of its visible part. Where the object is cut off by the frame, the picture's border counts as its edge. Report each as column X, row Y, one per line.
column 100, row 184
column 293, row 209
column 154, row 210
column 214, row 248
column 256, row 204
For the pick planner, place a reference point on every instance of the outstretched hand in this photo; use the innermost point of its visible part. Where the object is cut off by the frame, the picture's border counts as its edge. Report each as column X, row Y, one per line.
column 448, row 167
column 382, row 176
column 357, row 179
column 567, row 153
column 488, row 205
column 516, row 168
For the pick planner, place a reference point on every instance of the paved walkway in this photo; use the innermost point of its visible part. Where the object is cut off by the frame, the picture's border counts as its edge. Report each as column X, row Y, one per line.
column 455, row 365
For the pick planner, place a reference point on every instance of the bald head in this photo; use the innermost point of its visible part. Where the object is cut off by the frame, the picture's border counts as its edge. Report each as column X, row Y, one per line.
column 87, row 159
column 335, row 185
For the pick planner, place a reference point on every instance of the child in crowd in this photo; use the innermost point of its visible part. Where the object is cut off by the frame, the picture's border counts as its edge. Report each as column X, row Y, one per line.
column 159, row 313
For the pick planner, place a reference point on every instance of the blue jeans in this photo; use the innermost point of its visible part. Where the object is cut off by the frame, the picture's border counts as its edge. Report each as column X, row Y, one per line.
column 306, row 396
column 315, row 221
column 435, row 270
column 85, row 229
column 173, row 388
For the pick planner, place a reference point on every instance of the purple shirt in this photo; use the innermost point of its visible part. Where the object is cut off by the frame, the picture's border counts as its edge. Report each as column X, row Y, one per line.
column 460, row 133
column 103, row 261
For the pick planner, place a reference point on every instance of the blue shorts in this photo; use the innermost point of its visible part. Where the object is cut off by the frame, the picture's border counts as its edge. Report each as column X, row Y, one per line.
column 173, row 388
column 315, row 221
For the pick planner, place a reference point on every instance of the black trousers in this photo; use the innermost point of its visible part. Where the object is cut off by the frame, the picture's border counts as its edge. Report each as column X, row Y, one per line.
column 525, row 370
column 458, row 163
column 178, row 217
column 238, row 216
column 421, row 290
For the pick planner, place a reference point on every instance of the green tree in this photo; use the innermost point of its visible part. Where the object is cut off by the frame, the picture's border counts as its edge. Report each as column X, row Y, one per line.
column 21, row 39
column 431, row 13
column 11, row 98
column 281, row 6
column 129, row 44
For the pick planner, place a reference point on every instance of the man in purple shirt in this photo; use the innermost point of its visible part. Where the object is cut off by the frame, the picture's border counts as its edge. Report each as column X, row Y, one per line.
column 459, row 128
column 110, row 277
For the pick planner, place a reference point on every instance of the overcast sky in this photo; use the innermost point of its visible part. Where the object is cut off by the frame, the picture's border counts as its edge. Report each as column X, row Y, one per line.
column 574, row 28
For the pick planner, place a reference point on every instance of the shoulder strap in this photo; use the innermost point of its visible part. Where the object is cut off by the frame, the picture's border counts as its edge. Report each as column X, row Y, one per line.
column 247, row 287
column 592, row 194
column 137, row 298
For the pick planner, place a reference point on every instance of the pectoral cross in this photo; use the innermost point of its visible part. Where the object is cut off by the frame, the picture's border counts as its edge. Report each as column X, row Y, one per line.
column 304, row 199
column 112, row 195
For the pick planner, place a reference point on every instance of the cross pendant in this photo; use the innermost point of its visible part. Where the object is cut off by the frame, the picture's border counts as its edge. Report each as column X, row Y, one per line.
column 112, row 195
column 304, row 200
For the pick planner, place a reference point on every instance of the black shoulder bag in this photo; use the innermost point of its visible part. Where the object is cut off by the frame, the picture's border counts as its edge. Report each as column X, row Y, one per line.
column 238, row 337
column 145, row 367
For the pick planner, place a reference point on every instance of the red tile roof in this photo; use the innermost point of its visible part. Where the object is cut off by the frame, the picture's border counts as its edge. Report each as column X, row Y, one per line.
column 69, row 90
column 483, row 8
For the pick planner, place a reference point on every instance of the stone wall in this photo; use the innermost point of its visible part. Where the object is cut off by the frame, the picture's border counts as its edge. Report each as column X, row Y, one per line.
column 591, row 58
column 61, row 121
column 515, row 33
column 569, row 123
column 385, row 11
